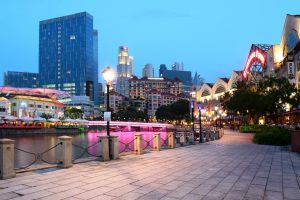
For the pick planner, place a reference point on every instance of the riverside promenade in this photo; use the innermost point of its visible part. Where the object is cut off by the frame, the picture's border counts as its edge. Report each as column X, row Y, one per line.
column 230, row 168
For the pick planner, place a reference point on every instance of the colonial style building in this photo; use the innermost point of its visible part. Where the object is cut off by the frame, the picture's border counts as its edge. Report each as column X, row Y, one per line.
column 139, row 88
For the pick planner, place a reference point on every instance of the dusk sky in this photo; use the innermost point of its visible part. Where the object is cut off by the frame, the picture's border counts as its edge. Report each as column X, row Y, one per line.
column 210, row 37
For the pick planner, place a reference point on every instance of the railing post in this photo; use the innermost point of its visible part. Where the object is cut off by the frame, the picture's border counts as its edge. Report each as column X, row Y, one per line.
column 156, row 142
column 104, row 151
column 64, row 153
column 182, row 139
column 191, row 138
column 171, row 140
column 114, row 147
column 7, row 163
column 138, row 144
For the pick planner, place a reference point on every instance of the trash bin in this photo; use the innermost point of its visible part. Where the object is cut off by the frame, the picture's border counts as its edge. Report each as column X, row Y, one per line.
column 295, row 140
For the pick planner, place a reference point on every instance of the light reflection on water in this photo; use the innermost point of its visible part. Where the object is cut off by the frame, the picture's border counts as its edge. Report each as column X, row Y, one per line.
column 41, row 143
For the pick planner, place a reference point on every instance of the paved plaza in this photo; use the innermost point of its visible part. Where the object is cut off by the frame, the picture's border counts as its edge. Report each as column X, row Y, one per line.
column 231, row 168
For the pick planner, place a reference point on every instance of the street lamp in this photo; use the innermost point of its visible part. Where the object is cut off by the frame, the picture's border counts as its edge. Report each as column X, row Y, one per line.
column 216, row 109
column 200, row 123
column 192, row 107
column 108, row 77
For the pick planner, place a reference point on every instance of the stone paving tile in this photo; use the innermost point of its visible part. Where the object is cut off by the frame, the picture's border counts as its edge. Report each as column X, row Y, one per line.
column 9, row 195
column 65, row 194
column 93, row 193
column 230, row 168
column 36, row 189
column 270, row 195
column 36, row 195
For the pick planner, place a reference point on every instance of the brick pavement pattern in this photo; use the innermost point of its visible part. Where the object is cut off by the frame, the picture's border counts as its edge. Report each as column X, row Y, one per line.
column 231, row 168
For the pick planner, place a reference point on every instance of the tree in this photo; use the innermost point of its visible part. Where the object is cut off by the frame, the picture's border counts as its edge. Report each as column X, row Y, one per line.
column 277, row 93
column 176, row 111
column 269, row 97
column 46, row 116
column 73, row 113
column 163, row 113
column 130, row 113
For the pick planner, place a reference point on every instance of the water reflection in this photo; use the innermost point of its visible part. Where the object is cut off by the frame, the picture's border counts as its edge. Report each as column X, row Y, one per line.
column 40, row 144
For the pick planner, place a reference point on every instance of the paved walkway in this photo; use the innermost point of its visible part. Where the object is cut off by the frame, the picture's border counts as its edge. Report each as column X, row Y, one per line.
column 231, row 168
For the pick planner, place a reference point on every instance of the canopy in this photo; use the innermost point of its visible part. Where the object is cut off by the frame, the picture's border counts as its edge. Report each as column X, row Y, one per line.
column 53, row 120
column 39, row 119
column 26, row 119
column 10, row 117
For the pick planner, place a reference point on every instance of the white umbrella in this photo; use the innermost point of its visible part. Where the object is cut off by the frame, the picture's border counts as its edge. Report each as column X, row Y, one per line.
column 53, row 120
column 9, row 117
column 26, row 119
column 69, row 120
column 39, row 119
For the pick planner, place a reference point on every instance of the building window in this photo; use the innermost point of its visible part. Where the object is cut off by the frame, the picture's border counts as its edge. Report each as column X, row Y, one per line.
column 39, row 106
column 72, row 37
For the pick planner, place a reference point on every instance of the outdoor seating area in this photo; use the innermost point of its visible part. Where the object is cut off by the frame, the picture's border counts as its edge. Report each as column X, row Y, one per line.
column 12, row 122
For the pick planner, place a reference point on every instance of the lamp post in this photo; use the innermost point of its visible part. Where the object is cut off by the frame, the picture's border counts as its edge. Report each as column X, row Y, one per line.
column 193, row 125
column 216, row 111
column 108, row 77
column 200, row 123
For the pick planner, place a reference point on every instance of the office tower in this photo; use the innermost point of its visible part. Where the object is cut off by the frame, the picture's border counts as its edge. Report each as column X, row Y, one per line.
column 68, row 55
column 21, row 79
column 177, row 66
column 148, row 71
column 124, row 71
column 184, row 76
column 162, row 68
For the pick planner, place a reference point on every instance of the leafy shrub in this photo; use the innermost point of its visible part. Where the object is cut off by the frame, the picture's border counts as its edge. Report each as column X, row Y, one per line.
column 273, row 136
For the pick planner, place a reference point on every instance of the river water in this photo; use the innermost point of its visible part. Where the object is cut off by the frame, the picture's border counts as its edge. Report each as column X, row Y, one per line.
column 36, row 147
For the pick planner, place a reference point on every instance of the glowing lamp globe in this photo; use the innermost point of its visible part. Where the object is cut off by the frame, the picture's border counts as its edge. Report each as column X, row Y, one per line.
column 108, row 75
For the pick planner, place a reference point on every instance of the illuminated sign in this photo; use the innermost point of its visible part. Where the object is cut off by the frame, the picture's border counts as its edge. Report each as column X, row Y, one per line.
column 255, row 56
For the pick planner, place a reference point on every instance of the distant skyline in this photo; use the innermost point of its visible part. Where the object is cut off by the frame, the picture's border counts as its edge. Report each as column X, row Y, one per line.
column 211, row 38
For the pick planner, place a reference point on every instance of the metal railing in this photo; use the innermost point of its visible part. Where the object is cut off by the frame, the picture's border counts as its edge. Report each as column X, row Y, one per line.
column 38, row 157
column 126, row 146
column 85, row 151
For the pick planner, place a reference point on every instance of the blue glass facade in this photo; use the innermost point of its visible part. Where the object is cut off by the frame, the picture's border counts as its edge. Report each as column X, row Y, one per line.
column 21, row 79
column 68, row 55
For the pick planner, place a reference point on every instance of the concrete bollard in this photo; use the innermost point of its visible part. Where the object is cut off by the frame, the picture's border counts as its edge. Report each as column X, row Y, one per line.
column 170, row 140
column 156, row 142
column 138, row 149
column 64, row 152
column 114, row 147
column 7, row 163
column 192, row 138
column 104, row 152
column 182, row 139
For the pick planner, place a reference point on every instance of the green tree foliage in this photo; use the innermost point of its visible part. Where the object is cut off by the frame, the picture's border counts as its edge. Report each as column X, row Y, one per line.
column 130, row 113
column 73, row 113
column 46, row 116
column 276, row 93
column 176, row 111
column 267, row 98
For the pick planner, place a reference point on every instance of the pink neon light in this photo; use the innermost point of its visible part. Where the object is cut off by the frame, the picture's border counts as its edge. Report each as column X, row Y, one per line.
column 117, row 123
column 254, row 56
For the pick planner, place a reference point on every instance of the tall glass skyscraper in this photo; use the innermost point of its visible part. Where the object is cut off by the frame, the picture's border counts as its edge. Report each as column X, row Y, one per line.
column 124, row 70
column 68, row 55
column 21, row 79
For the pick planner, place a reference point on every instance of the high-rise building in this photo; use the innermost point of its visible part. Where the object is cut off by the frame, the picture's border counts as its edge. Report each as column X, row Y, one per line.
column 68, row 60
column 177, row 66
column 184, row 76
column 21, row 79
column 124, row 71
column 162, row 68
column 148, row 71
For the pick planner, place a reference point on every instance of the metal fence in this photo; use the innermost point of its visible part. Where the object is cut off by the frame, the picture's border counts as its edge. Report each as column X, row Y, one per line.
column 38, row 157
